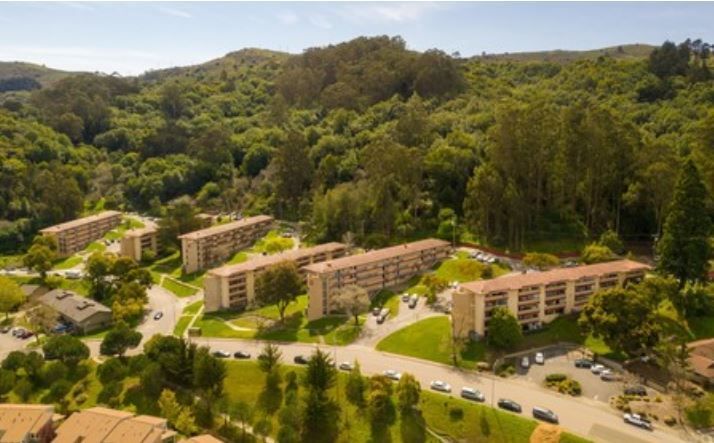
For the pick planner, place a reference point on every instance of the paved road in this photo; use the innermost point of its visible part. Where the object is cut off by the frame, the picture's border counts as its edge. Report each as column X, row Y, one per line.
column 373, row 332
column 578, row 415
column 160, row 299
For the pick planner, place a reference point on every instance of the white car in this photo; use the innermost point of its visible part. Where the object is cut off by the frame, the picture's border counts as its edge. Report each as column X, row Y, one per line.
column 441, row 386
column 597, row 369
column 73, row 274
column 346, row 366
column 539, row 358
column 392, row 374
column 637, row 420
column 525, row 362
column 472, row 394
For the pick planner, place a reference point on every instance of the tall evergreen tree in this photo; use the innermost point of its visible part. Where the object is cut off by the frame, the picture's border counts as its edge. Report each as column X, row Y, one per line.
column 684, row 248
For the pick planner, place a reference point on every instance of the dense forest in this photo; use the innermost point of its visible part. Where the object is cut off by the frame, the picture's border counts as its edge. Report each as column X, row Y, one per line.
column 369, row 139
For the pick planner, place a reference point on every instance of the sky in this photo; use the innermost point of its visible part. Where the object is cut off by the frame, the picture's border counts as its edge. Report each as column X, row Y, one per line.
column 131, row 38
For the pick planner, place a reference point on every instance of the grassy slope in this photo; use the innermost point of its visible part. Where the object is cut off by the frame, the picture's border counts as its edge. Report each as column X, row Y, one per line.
column 632, row 51
column 180, row 290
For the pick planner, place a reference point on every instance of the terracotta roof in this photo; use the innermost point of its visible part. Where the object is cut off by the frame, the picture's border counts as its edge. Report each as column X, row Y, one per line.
column 375, row 255
column 203, row 439
column 701, row 357
column 267, row 260
column 90, row 425
column 72, row 305
column 138, row 232
column 81, row 221
column 18, row 421
column 213, row 230
column 515, row 281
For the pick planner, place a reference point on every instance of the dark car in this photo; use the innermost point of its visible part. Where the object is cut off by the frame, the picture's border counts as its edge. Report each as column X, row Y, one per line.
column 301, row 360
column 158, row 315
column 26, row 335
column 509, row 405
column 636, row 390
column 583, row 363
column 376, row 310
column 545, row 415
column 241, row 355
column 5, row 329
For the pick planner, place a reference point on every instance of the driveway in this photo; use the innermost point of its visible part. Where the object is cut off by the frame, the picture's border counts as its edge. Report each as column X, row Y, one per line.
column 8, row 343
column 372, row 332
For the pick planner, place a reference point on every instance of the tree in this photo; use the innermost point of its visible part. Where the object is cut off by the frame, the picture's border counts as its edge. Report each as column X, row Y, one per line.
column 112, row 370
column 14, row 361
column 320, row 418
column 612, row 241
column 353, row 300
column 151, row 380
column 11, row 295
column 180, row 218
column 293, row 172
column 540, row 260
column 169, row 406
column 119, row 340
column 280, row 284
column 596, row 253
column 41, row 255
column 355, row 386
column 208, row 373
column 289, row 419
column 23, row 388
column 684, row 248
column 42, row 319
column 504, row 332
column 408, row 391
column 321, row 373
column 66, row 348
column 380, row 408
column 269, row 358
column 7, row 381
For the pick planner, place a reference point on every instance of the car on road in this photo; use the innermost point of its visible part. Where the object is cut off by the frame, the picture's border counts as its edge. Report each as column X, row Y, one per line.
column 376, row 310
column 583, row 363
column 539, row 358
column 472, row 394
column 406, row 297
column 158, row 315
column 241, row 355
column 346, row 366
column 441, row 386
column 545, row 415
column 608, row 375
column 597, row 369
column 301, row 360
column 18, row 331
column 525, row 362
column 413, row 300
column 392, row 374
column 636, row 390
column 383, row 314
column 221, row 354
column 509, row 405
column 73, row 274
column 637, row 420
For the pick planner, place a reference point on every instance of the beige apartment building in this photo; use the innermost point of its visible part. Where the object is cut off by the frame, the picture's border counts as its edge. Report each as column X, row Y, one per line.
column 103, row 425
column 75, row 235
column 373, row 271
column 539, row 297
column 209, row 247
column 233, row 286
column 136, row 241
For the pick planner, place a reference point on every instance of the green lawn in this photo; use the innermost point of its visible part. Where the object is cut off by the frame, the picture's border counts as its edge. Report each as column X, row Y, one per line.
column 263, row 323
column 172, row 266
column 193, row 308
column 272, row 243
column 179, row 289
column 239, row 257
column 702, row 327
column 430, row 339
column 80, row 286
column 463, row 269
column 182, row 324
column 95, row 247
column 69, row 262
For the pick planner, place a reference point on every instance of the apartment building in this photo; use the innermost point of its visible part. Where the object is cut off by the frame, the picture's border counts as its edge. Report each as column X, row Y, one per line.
column 75, row 235
column 233, row 286
column 136, row 241
column 103, row 425
column 26, row 423
column 539, row 297
column 209, row 247
column 373, row 270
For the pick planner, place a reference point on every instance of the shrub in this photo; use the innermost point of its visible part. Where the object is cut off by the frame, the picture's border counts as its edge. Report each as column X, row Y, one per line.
column 555, row 378
column 456, row 413
column 505, row 370
column 60, row 389
column 670, row 421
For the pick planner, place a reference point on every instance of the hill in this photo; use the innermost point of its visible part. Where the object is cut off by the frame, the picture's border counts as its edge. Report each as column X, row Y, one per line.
column 633, row 51
column 22, row 70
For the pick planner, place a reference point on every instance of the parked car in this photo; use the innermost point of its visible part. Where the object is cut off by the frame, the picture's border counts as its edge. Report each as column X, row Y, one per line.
column 608, row 375
column 472, row 394
column 545, row 415
column 405, row 297
column 413, row 300
column 392, row 374
column 18, row 331
column 597, row 369
column 383, row 314
column 539, row 358
column 73, row 274
column 636, row 390
column 637, row 420
column 376, row 310
column 5, row 329
column 241, row 355
column 221, row 354
column 286, row 235
column 158, row 315
column 61, row 328
column 346, row 366
column 583, row 363
column 301, row 360
column 27, row 334
column 441, row 386
column 525, row 362
column 509, row 405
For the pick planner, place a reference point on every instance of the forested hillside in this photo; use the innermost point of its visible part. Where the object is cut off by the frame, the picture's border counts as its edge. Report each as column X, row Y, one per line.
column 370, row 138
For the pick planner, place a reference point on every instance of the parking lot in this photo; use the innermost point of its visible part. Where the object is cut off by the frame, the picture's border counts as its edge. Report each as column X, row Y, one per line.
column 561, row 362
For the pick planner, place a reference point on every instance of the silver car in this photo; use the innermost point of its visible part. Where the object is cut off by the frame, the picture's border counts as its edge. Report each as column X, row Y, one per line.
column 441, row 386
column 472, row 394
column 392, row 374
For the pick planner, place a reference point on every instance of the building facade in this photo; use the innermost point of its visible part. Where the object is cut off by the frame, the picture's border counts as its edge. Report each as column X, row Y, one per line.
column 373, row 271
column 233, row 286
column 26, row 423
column 136, row 241
column 210, row 247
column 75, row 235
column 539, row 297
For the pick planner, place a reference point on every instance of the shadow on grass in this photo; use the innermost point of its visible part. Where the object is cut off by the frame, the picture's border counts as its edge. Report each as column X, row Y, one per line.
column 413, row 427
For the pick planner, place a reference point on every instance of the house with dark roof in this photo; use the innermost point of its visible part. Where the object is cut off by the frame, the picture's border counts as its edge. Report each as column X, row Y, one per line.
column 85, row 314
